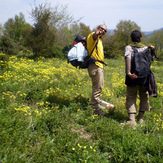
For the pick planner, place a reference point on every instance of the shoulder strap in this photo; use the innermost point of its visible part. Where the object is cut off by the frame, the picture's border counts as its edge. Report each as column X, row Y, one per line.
column 94, row 48
column 134, row 49
column 92, row 52
column 101, row 62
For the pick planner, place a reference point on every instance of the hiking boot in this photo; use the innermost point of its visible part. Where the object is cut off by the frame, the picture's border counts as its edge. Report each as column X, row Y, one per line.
column 140, row 120
column 101, row 107
column 110, row 106
column 139, row 117
column 99, row 112
column 129, row 123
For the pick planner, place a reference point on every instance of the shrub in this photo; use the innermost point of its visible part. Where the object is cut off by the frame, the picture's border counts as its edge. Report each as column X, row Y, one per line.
column 57, row 52
column 3, row 60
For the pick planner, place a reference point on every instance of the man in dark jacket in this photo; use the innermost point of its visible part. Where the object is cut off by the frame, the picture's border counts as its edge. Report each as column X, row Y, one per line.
column 133, row 87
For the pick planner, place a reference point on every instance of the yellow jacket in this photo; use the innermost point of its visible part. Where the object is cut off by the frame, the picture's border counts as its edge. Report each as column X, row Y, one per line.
column 98, row 52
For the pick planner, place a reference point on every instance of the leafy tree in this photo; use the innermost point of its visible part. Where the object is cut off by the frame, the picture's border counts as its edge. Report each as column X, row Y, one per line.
column 63, row 37
column 120, row 38
column 12, row 40
column 8, row 45
column 9, row 28
column 1, row 32
column 14, row 28
column 66, row 36
column 42, row 37
column 61, row 20
column 157, row 40
column 50, row 29
column 123, row 31
column 85, row 30
column 80, row 29
column 109, row 44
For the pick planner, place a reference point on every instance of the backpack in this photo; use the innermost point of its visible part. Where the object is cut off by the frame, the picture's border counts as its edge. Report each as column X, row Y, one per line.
column 140, row 65
column 78, row 55
column 78, row 52
column 81, row 39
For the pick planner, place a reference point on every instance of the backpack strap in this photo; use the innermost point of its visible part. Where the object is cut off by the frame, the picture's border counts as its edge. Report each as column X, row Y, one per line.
column 135, row 50
column 101, row 62
column 94, row 48
column 97, row 59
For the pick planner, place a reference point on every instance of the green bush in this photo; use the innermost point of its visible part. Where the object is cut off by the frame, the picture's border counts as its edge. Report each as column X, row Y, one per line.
column 57, row 52
column 3, row 60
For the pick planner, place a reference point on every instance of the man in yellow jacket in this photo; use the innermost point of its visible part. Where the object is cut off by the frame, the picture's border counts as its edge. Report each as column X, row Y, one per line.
column 95, row 70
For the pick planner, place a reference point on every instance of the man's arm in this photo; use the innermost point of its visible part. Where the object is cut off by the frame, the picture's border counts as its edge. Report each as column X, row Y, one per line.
column 128, row 68
column 128, row 63
column 97, row 34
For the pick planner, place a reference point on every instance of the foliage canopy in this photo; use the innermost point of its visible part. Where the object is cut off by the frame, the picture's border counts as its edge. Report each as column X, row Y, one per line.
column 54, row 28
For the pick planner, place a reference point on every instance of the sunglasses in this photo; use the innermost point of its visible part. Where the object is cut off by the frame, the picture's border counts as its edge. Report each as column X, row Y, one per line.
column 103, row 29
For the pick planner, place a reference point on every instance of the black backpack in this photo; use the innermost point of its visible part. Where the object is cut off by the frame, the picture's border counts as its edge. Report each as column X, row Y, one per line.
column 140, row 65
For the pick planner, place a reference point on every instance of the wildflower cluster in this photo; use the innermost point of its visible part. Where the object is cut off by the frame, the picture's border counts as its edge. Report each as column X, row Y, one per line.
column 38, row 81
column 28, row 111
column 160, row 89
column 8, row 94
column 3, row 60
column 25, row 109
column 117, row 80
column 159, row 121
column 80, row 147
column 84, row 152
column 50, row 96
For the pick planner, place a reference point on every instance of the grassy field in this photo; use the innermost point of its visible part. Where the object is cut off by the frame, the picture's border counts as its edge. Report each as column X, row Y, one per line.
column 45, row 116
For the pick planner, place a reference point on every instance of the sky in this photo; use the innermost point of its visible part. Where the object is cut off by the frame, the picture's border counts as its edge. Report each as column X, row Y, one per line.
column 147, row 14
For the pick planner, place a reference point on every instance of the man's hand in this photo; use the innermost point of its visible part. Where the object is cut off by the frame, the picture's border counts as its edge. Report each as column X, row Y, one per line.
column 132, row 76
column 150, row 46
column 97, row 34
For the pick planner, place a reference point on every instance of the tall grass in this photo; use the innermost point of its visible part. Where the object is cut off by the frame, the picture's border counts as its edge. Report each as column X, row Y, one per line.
column 45, row 115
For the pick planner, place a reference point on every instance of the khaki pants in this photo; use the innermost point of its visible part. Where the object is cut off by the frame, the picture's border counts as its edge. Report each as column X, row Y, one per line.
column 97, row 75
column 131, row 96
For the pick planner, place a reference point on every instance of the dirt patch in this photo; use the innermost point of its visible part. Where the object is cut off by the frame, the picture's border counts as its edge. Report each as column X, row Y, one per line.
column 82, row 133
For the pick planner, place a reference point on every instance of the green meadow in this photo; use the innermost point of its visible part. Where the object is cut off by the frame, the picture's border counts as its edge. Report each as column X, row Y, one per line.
column 46, row 116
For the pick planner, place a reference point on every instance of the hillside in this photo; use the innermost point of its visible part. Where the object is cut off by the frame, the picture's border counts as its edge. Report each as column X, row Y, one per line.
column 46, row 116
column 148, row 33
